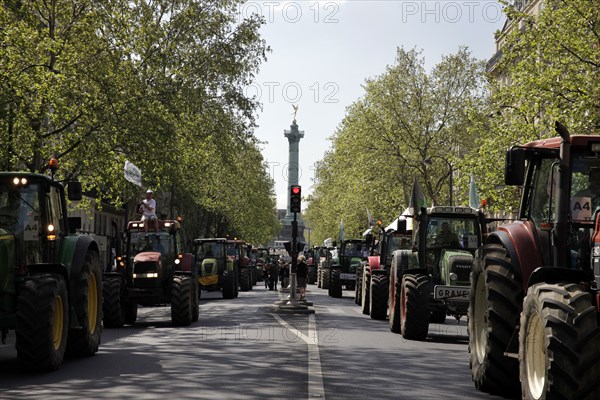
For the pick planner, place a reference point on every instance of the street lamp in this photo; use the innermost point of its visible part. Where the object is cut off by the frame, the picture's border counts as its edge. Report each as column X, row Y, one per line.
column 428, row 162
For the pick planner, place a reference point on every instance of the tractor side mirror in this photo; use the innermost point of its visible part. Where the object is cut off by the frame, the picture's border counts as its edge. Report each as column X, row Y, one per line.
column 514, row 171
column 369, row 239
column 401, row 226
column 74, row 192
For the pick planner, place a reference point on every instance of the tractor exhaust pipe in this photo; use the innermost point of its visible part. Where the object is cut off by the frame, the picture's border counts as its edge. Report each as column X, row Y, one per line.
column 561, row 231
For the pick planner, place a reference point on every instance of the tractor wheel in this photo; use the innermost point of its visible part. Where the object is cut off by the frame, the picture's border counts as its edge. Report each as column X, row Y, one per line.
column 394, row 304
column 335, row 285
column 358, row 288
column 495, row 302
column 379, row 296
column 42, row 322
column 181, row 300
column 319, row 278
column 326, row 278
column 559, row 341
column 312, row 274
column 366, row 295
column 414, row 306
column 244, row 280
column 437, row 316
column 111, row 304
column 130, row 311
column 236, row 285
column 228, row 284
column 87, row 302
column 195, row 300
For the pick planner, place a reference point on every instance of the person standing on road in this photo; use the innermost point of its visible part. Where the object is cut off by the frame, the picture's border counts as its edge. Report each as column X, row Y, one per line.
column 148, row 210
column 301, row 273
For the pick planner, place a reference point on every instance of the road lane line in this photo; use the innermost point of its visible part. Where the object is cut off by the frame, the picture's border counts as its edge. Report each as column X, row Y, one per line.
column 316, row 389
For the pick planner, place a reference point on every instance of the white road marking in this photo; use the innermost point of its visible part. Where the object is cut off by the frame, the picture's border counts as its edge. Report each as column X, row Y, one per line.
column 316, row 390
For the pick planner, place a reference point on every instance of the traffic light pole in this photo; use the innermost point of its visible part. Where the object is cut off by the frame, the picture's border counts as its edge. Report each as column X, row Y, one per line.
column 294, row 264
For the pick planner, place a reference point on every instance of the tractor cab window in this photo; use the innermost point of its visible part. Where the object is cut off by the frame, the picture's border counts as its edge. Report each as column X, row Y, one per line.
column 544, row 192
column 585, row 189
column 356, row 250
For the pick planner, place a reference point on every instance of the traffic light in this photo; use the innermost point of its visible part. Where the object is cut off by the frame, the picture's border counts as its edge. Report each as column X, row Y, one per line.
column 295, row 198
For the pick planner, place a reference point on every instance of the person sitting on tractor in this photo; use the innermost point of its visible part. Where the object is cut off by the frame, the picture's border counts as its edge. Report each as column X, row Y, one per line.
column 446, row 237
column 148, row 211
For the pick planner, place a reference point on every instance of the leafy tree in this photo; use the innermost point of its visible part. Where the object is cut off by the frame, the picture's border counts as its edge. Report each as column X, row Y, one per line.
column 409, row 124
column 549, row 71
column 158, row 83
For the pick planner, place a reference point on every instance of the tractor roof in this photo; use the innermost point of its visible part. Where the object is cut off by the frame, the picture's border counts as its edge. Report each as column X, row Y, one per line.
column 452, row 210
column 554, row 142
column 210, row 240
column 163, row 224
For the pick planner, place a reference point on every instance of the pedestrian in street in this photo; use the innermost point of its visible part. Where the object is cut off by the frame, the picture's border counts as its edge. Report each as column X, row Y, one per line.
column 148, row 211
column 273, row 272
column 301, row 273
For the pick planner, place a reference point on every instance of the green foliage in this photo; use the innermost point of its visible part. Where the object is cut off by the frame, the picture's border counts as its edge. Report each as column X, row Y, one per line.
column 408, row 124
column 452, row 117
column 159, row 83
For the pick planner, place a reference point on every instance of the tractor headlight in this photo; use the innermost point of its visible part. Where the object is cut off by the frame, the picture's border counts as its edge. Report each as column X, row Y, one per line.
column 453, row 276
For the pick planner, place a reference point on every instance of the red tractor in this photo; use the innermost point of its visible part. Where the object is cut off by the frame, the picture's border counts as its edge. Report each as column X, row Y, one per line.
column 534, row 297
column 155, row 271
column 373, row 281
column 237, row 251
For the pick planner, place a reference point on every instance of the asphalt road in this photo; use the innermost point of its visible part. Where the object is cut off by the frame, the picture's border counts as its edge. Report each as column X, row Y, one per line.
column 241, row 349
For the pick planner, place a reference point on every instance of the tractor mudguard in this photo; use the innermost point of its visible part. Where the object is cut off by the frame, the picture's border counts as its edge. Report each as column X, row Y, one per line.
column 557, row 275
column 403, row 260
column 373, row 263
column 524, row 250
column 72, row 255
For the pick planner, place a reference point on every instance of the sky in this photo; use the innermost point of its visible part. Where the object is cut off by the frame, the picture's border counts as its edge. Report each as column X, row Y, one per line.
column 323, row 51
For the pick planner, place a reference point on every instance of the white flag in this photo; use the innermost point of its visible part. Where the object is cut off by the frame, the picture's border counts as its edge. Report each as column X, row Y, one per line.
column 133, row 174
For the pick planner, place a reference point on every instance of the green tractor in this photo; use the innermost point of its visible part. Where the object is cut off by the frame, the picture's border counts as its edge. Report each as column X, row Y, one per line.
column 431, row 281
column 351, row 257
column 216, row 271
column 50, row 277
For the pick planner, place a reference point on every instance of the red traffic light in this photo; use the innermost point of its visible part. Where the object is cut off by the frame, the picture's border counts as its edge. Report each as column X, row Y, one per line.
column 295, row 198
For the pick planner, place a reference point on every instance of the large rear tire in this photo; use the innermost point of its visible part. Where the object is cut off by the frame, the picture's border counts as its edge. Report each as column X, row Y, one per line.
column 358, row 288
column 365, row 297
column 379, row 296
column 319, row 278
column 414, row 300
column 228, row 284
column 87, row 302
column 495, row 302
column 244, row 279
column 130, row 311
column 312, row 274
column 195, row 300
column 181, row 300
column 42, row 322
column 326, row 278
column 111, row 303
column 335, row 286
column 394, row 300
column 559, row 343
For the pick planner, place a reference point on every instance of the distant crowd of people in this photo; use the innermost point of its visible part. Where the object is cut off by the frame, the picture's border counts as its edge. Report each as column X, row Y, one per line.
column 278, row 271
